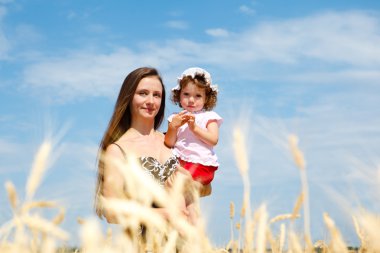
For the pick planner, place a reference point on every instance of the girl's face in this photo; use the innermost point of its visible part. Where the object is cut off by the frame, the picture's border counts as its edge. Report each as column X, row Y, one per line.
column 146, row 101
column 192, row 97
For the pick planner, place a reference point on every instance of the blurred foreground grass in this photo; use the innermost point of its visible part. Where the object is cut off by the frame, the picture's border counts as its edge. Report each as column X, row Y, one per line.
column 28, row 231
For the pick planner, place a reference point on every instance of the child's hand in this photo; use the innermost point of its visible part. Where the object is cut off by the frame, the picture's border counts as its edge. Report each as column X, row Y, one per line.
column 179, row 119
column 191, row 121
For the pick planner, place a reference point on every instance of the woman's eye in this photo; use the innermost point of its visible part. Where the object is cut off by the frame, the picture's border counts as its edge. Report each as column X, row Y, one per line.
column 157, row 95
column 143, row 93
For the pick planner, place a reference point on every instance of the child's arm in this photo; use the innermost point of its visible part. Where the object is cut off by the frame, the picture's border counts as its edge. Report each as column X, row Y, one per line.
column 210, row 135
column 177, row 121
column 171, row 136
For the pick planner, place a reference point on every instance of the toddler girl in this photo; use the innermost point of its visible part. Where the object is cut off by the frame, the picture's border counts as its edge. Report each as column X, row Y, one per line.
column 194, row 132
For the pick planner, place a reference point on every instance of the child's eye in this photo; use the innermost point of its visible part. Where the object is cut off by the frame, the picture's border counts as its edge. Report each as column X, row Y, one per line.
column 186, row 94
column 199, row 95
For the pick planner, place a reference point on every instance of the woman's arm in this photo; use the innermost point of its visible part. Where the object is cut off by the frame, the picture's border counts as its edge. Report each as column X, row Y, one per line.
column 205, row 190
column 113, row 185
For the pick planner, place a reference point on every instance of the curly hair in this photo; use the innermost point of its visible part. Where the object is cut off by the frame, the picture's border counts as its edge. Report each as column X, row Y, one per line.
column 199, row 81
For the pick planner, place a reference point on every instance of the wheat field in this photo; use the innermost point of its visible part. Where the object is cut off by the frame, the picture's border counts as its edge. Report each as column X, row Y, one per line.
column 251, row 230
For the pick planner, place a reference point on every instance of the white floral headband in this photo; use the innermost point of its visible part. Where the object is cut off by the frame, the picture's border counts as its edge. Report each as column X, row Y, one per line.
column 194, row 72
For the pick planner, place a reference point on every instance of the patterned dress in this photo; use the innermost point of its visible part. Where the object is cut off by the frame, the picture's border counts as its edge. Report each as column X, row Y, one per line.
column 159, row 172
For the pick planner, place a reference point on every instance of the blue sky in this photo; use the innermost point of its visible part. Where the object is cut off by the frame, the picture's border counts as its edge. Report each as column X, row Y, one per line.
column 311, row 68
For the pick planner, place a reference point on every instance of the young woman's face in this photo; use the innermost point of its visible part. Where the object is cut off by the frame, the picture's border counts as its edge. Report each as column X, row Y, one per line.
column 147, row 98
column 192, row 98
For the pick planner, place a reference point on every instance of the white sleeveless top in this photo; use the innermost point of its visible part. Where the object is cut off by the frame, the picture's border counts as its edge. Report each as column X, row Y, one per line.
column 189, row 147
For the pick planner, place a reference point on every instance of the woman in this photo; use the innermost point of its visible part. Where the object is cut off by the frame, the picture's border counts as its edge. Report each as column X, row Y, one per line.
column 132, row 130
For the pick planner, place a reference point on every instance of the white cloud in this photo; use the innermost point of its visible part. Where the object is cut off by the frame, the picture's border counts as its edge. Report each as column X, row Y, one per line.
column 4, row 43
column 246, row 10
column 15, row 157
column 332, row 38
column 328, row 47
column 5, row 118
column 5, row 1
column 359, row 76
column 81, row 74
column 26, row 34
column 3, row 12
column 71, row 15
column 217, row 32
column 8, row 147
column 177, row 24
column 96, row 28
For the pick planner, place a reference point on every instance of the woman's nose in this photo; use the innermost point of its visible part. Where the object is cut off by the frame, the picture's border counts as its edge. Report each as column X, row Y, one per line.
column 149, row 99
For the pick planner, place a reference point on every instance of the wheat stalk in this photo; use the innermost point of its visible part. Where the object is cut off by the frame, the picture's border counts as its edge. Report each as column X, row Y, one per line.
column 241, row 158
column 175, row 234
column 296, row 152
column 171, row 243
column 38, row 168
column 272, row 241
column 360, row 233
column 337, row 244
column 282, row 237
column 232, row 214
column 27, row 206
column 369, row 227
column 59, row 217
column 44, row 226
column 261, row 229
column 301, row 164
column 91, row 236
column 295, row 245
column 282, row 217
column 297, row 206
column 12, row 194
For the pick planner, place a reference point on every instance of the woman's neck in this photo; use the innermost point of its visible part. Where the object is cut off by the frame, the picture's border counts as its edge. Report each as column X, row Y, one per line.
column 142, row 128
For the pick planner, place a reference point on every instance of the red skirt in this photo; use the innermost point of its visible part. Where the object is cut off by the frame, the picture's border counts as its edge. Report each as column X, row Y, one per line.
column 201, row 173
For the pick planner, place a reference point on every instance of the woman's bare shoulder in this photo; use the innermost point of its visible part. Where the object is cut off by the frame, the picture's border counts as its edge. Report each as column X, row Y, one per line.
column 113, row 150
column 160, row 135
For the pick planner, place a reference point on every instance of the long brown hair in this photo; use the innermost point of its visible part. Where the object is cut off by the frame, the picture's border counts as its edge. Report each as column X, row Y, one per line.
column 121, row 118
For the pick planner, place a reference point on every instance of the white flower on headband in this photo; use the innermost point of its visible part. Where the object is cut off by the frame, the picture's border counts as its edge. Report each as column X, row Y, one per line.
column 194, row 72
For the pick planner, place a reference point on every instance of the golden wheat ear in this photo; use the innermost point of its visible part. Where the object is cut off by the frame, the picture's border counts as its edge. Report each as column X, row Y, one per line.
column 39, row 167
column 12, row 194
column 304, row 197
column 337, row 243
